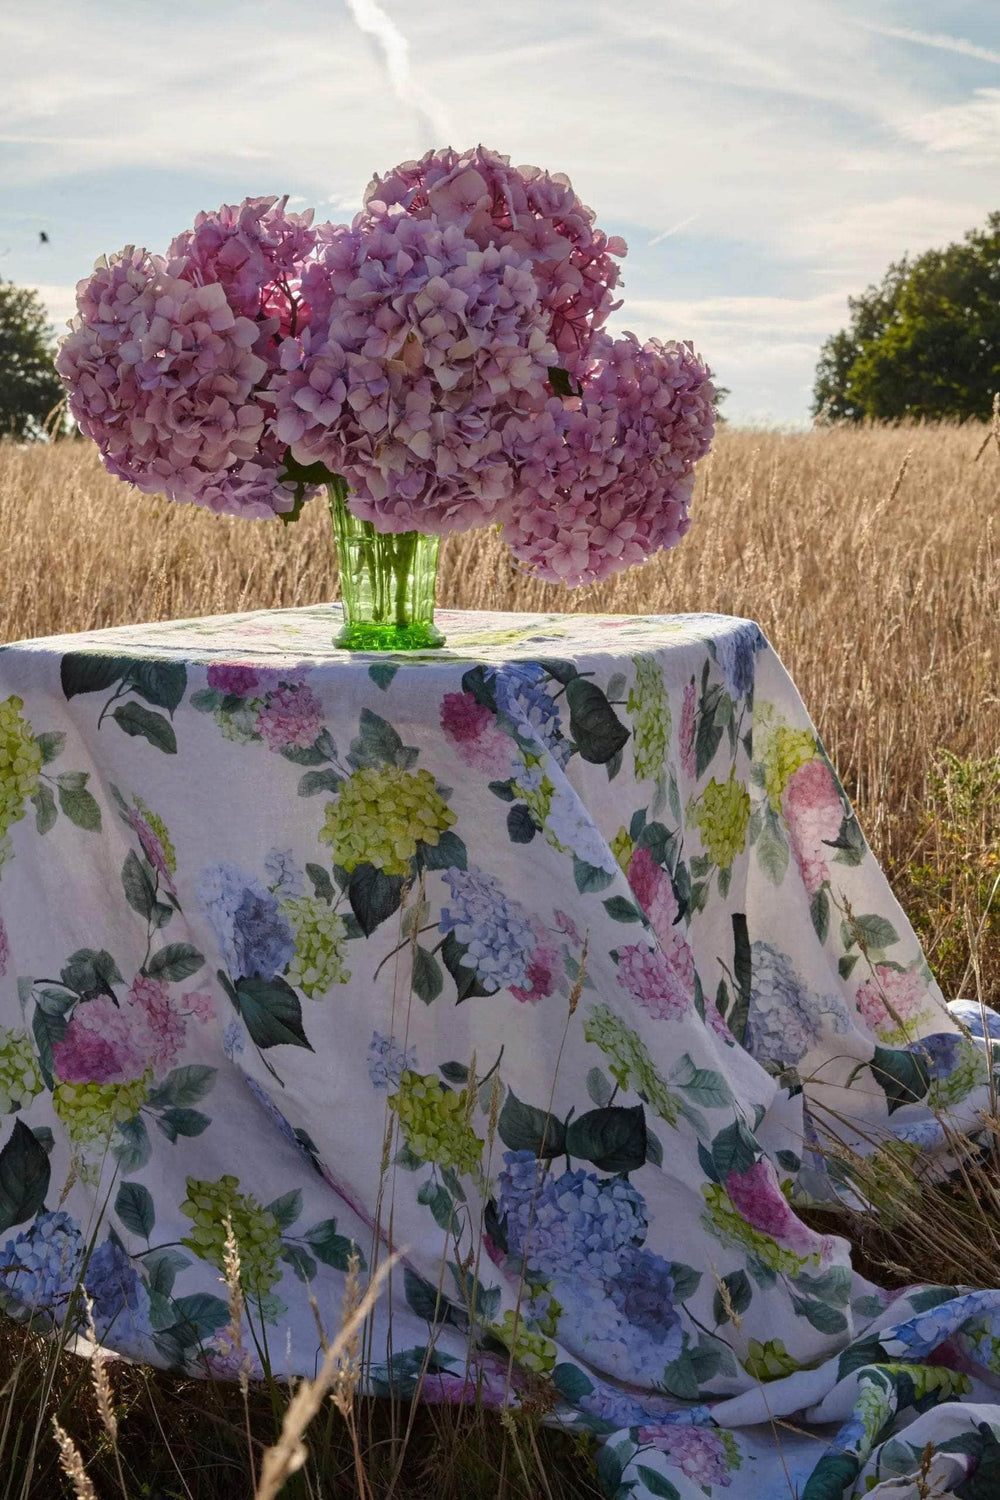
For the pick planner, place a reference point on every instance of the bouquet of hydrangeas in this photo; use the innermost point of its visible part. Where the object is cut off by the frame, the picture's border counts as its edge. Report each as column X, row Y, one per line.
column 441, row 363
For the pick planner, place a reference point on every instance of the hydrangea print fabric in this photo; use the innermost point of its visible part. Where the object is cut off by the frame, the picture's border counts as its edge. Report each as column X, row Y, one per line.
column 553, row 960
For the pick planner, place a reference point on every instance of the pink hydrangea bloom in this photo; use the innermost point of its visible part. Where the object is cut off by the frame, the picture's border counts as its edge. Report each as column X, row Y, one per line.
column 687, row 732
column 431, row 342
column 255, row 251
column 4, row 949
column 200, row 1004
column 104, row 1043
column 232, row 679
column 166, row 1027
column 648, row 977
column 699, row 1452
column 813, row 813
column 905, row 992
column 654, row 892
column 717, row 1022
column 564, row 923
column 605, row 479
column 291, row 716
column 757, row 1197
column 472, row 730
column 444, row 1389
column 520, row 208
column 543, row 970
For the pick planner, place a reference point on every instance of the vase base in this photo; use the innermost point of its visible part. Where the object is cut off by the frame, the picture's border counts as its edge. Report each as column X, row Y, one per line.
column 365, row 635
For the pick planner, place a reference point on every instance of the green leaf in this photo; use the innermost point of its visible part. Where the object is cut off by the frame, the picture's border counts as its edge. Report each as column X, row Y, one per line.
column 521, row 826
column 321, row 882
column 560, row 382
column 91, row 971
column 772, row 850
column 186, row 1085
column 382, row 673
column 467, row 980
column 201, row 1314
column 454, row 1072
column 175, row 1122
column 595, row 727
column 707, row 739
column 502, row 789
column 175, row 962
column 846, row 963
column 740, row 1295
column 331, row 1248
column 47, row 1030
column 819, row 912
column 378, row 743
column 571, row 1382
column 877, row 932
column 79, row 806
column 449, row 853
column 272, row 1012
column 161, row 1270
column 733, row 1150
column 90, row 672
column 820, row 1315
column 523, row 1127
column 134, row 1207
column 303, row 755
column 138, row 721
column 140, row 892
column 130, row 1144
column 24, row 1177
column 428, row 1302
column 680, row 1379
column 439, row 1201
column 903, row 1076
column 286, row 1209
column 614, row 1139
column 621, row 909
column 162, row 683
column 656, row 1484
column 686, row 1280
column 703, row 1086
column 320, row 781
column 374, row 896
column 599, row 1087
column 51, row 744
column 590, row 877
column 45, row 808
column 206, row 700
column 427, row 979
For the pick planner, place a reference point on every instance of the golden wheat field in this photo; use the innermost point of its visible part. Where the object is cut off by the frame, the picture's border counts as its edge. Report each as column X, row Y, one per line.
column 871, row 558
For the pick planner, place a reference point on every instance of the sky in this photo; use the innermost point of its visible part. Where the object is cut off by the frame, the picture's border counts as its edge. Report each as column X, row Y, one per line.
column 764, row 160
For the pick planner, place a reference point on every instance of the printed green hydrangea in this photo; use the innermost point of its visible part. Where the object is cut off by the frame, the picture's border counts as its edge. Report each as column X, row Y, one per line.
column 381, row 815
column 945, row 1384
column 20, row 762
column 781, row 751
column 650, row 709
column 770, row 1361
column 535, row 788
column 159, row 828
column 723, row 1220
column 240, row 726
column 434, row 1121
column 318, row 963
column 721, row 815
column 20, row 1079
column 89, row 1111
column 622, row 847
column 255, row 1229
column 629, row 1060
column 533, row 1351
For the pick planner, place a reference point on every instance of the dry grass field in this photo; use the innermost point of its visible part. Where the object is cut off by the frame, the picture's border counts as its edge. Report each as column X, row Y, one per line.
column 871, row 559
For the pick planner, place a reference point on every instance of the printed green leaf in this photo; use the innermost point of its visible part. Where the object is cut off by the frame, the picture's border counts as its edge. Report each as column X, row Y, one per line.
column 590, row 877
column 91, row 971
column 680, row 1379
column 272, row 1012
column 90, row 672
column 903, row 1076
column 161, row 1270
column 523, row 1127
column 571, row 1382
column 596, row 729
column 80, row 806
column 175, row 962
column 599, row 1087
column 772, row 849
column 206, row 700
column 24, row 1177
column 686, row 1280
column 51, row 744
column 130, row 1144
column 614, row 1139
column 320, row 781
column 303, row 755
column 186, row 1085
column 300, row 1261
column 374, row 896
column 656, row 1484
column 439, row 1201
column 136, row 720
column 733, row 1150
column 876, row 931
column 448, row 853
column 134, row 1207
column 738, row 1298
column 427, row 979
column 703, row 1086
column 467, row 980
column 331, row 1248
column 382, row 673
column 45, row 808
column 201, row 1314
column 621, row 909
column 162, row 683
column 140, row 892
column 427, row 1301
column 286, row 1209
column 175, row 1122
column 819, row 912
column 521, row 826
column 321, row 882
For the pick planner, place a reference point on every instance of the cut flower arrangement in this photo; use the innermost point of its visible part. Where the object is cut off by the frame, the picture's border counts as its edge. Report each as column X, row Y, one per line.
column 441, row 363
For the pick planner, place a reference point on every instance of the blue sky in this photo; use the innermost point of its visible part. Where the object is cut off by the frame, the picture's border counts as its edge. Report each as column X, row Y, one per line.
column 764, row 160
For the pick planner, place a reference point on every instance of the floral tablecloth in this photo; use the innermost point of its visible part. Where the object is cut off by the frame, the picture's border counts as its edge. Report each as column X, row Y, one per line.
column 552, row 958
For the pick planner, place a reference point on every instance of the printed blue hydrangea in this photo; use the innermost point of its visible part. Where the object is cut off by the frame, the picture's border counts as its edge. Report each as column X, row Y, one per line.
column 119, row 1296
column 387, row 1061
column 577, row 1222
column 595, row 1327
column 284, row 875
column 572, row 825
column 926, row 1330
column 616, row 1408
column 255, row 939
column 735, row 652
column 643, row 1292
column 786, row 1018
column 41, row 1266
column 233, row 1040
column 971, row 1016
column 520, row 697
column 496, row 930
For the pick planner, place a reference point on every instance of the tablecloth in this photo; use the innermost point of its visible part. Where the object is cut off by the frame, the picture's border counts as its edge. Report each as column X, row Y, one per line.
column 552, row 959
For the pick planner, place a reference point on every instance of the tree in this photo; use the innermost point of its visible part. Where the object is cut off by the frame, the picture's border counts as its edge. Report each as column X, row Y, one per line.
column 29, row 385
column 925, row 343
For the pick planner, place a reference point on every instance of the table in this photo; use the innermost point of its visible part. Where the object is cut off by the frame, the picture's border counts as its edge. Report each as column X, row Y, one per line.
column 552, row 957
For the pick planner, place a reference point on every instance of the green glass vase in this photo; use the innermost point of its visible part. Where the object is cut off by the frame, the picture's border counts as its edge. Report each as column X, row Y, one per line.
column 387, row 582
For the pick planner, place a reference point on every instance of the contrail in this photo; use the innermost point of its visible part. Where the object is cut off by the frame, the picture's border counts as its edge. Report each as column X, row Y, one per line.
column 935, row 39
column 435, row 126
column 676, row 229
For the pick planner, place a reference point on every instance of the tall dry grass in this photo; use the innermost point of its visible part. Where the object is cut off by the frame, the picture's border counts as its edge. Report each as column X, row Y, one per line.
column 871, row 558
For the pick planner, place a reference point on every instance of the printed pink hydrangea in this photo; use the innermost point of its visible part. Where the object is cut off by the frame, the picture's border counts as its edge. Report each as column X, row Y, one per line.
column 232, row 679
column 605, row 479
column 756, row 1195
column 564, row 923
column 654, row 892
column 200, row 1004
column 290, row 717
column 520, row 208
column 432, row 342
column 152, row 844
column 650, row 979
column 717, row 1022
column 472, row 730
column 699, row 1452
column 104, row 1043
column 4, row 949
column 687, row 732
column 813, row 812
column 544, row 969
column 905, row 992
column 166, row 1027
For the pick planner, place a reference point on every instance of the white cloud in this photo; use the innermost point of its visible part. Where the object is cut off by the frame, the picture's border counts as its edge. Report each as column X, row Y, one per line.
column 59, row 303
column 935, row 39
column 970, row 129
